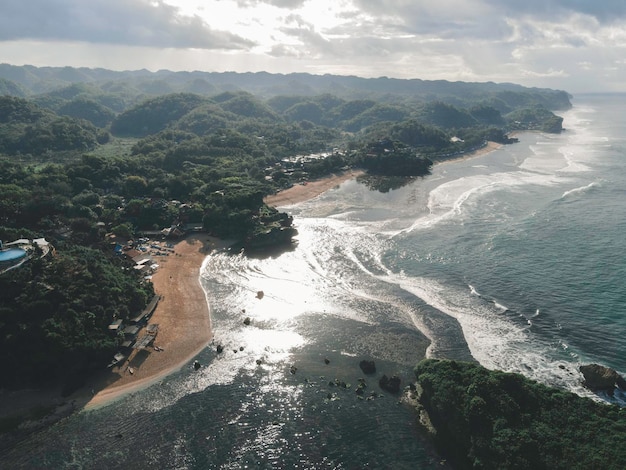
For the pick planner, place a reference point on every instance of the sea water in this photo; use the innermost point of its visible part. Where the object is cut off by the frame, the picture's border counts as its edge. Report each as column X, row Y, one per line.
column 514, row 259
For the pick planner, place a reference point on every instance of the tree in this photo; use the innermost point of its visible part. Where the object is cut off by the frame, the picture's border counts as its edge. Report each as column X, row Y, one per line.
column 135, row 186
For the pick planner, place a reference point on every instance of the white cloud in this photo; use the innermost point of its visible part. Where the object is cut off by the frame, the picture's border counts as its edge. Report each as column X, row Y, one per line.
column 571, row 44
column 129, row 22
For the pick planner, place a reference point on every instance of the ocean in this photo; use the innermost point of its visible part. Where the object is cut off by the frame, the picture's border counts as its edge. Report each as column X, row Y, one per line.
column 515, row 259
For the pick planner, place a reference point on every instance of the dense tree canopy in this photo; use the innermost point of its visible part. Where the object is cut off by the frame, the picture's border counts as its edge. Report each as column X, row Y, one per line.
column 488, row 419
column 54, row 314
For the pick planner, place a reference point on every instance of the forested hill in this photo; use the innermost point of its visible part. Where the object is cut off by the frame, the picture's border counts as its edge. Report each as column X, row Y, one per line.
column 27, row 79
column 483, row 419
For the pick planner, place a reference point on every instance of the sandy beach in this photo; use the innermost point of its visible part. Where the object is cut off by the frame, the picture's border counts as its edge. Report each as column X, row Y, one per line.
column 183, row 317
column 304, row 192
column 490, row 147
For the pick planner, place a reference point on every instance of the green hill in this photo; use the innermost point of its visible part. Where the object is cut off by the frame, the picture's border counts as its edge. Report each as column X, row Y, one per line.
column 494, row 420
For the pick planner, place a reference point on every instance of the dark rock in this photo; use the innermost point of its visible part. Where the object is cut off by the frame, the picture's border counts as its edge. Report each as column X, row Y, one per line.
column 220, row 348
column 246, row 321
column 368, row 367
column 600, row 378
column 390, row 384
column 196, row 365
column 326, row 361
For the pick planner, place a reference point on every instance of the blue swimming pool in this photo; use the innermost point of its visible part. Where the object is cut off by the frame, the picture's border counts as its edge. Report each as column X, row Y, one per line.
column 11, row 254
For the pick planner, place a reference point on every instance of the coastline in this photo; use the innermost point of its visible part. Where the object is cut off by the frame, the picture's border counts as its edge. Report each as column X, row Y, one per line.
column 304, row 192
column 183, row 316
column 490, row 147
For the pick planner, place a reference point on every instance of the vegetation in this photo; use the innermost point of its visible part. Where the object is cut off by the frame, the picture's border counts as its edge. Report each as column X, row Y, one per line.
column 85, row 153
column 490, row 419
column 54, row 314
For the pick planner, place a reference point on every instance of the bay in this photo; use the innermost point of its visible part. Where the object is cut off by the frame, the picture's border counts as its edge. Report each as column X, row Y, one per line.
column 514, row 259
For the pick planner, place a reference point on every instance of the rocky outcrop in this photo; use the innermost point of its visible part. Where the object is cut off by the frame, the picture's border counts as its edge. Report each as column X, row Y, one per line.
column 368, row 367
column 390, row 384
column 601, row 378
column 272, row 236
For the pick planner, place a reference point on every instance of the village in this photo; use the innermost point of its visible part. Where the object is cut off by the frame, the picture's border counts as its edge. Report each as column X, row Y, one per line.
column 138, row 334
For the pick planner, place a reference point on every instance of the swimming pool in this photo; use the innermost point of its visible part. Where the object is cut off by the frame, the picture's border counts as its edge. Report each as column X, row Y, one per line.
column 11, row 254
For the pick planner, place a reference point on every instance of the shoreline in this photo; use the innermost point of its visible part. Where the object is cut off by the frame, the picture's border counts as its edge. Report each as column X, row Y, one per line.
column 183, row 316
column 490, row 147
column 305, row 192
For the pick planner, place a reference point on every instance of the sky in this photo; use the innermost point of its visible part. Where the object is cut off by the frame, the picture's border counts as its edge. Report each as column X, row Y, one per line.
column 574, row 45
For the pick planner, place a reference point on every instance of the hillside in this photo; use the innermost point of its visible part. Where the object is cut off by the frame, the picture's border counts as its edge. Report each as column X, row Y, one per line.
column 488, row 419
column 38, row 80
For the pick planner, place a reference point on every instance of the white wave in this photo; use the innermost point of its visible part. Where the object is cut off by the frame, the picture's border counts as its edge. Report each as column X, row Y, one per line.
column 500, row 307
column 581, row 190
column 449, row 200
column 572, row 156
column 496, row 341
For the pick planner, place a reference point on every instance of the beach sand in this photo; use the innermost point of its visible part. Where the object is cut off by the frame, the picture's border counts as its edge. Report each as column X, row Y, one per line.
column 182, row 315
column 490, row 147
column 303, row 192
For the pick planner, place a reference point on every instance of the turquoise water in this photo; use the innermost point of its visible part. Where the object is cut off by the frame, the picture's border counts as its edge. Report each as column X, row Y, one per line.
column 514, row 259
column 11, row 254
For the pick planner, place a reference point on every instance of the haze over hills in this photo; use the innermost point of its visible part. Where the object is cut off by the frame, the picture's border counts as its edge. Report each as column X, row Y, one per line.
column 35, row 80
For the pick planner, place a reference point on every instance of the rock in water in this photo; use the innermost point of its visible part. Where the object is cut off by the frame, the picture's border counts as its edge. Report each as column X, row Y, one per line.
column 391, row 384
column 368, row 367
column 600, row 378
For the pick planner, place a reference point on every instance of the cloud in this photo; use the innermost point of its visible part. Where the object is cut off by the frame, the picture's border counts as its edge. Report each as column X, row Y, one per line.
column 287, row 4
column 572, row 44
column 605, row 11
column 149, row 23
